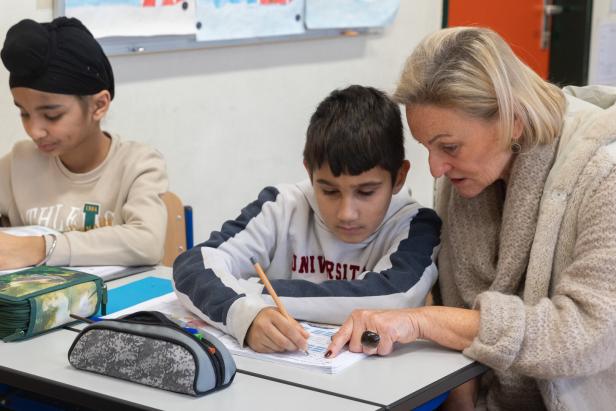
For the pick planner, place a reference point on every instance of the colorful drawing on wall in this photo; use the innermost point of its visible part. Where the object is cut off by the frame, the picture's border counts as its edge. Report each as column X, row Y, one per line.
column 327, row 14
column 113, row 18
column 238, row 19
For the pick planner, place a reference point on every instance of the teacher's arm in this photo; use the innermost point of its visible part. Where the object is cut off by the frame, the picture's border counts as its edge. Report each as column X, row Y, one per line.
column 450, row 327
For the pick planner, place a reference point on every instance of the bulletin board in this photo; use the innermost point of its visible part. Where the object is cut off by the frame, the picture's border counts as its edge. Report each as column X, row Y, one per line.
column 137, row 26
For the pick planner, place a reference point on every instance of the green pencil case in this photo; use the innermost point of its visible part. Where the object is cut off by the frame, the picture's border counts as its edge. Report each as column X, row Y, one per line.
column 39, row 299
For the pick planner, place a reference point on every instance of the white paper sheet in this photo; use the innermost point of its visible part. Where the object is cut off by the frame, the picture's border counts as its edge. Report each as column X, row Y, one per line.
column 109, row 18
column 27, row 230
column 317, row 342
column 327, row 14
column 239, row 19
column 606, row 51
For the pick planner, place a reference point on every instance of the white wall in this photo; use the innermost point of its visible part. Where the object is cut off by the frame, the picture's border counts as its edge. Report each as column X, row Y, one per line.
column 232, row 120
column 603, row 12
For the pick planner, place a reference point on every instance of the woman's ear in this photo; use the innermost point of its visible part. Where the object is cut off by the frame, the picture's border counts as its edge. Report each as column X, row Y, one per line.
column 401, row 176
column 100, row 104
column 518, row 128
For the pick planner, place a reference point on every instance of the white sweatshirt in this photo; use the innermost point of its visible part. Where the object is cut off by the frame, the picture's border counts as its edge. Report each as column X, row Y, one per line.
column 317, row 276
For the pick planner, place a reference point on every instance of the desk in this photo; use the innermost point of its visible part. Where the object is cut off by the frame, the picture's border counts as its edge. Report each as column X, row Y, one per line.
column 407, row 378
column 41, row 365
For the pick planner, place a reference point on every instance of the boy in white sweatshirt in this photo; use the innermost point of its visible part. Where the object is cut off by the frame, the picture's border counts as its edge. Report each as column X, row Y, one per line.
column 349, row 237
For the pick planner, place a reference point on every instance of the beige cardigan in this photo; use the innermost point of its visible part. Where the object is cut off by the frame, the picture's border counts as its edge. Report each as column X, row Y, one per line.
column 555, row 339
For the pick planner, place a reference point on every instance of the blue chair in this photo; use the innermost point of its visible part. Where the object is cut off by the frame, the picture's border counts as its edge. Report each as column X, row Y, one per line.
column 188, row 218
column 434, row 403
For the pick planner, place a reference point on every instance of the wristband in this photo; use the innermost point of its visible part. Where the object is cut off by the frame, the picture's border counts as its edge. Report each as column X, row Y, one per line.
column 50, row 251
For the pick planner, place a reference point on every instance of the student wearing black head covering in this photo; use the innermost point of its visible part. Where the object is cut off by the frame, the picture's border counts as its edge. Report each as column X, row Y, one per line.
column 99, row 195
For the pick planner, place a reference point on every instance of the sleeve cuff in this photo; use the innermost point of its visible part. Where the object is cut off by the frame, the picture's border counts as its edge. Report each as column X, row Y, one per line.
column 241, row 315
column 61, row 255
column 501, row 330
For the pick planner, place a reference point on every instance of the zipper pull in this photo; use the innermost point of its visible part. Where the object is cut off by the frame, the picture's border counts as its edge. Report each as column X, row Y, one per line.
column 15, row 336
column 104, row 301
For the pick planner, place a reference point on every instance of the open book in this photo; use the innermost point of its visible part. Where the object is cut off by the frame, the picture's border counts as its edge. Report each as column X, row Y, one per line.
column 318, row 341
column 106, row 272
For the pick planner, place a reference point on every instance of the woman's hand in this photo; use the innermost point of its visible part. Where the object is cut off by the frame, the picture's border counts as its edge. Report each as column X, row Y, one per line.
column 271, row 331
column 392, row 326
column 18, row 252
column 450, row 327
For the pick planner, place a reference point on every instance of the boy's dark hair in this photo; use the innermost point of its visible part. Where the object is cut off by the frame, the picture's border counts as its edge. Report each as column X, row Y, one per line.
column 353, row 130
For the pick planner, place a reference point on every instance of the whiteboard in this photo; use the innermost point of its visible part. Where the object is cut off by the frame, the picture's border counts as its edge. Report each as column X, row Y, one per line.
column 135, row 26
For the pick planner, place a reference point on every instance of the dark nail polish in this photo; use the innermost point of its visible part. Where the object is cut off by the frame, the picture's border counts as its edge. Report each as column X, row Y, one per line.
column 328, row 353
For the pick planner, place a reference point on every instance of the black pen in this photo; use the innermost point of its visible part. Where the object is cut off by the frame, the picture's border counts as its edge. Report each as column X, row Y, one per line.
column 85, row 320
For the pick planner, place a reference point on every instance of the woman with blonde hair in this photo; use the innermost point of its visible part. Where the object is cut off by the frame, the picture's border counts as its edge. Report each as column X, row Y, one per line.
column 526, row 176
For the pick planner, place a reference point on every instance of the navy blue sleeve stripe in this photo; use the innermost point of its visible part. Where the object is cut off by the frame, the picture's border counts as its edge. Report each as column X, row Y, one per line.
column 411, row 259
column 200, row 284
column 233, row 227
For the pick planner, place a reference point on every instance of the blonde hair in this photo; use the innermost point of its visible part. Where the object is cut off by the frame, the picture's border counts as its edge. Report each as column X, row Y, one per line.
column 473, row 69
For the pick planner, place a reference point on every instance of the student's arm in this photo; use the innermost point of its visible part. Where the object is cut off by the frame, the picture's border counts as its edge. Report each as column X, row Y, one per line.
column 16, row 252
column 139, row 240
column 211, row 279
column 405, row 276
column 6, row 195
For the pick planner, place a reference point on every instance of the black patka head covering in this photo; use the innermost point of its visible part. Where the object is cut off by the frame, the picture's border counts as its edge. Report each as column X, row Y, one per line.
column 58, row 57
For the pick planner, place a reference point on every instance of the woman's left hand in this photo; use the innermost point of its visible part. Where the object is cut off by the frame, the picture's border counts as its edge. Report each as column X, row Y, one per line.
column 391, row 325
column 18, row 252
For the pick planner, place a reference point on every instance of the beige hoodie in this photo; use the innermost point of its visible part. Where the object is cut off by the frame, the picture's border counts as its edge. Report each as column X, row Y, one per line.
column 121, row 198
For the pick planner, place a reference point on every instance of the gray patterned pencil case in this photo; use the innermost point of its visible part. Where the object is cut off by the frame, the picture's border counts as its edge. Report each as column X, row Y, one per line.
column 148, row 348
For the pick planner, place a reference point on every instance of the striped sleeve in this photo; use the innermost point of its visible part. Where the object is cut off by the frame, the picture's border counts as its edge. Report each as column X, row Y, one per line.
column 405, row 276
column 212, row 279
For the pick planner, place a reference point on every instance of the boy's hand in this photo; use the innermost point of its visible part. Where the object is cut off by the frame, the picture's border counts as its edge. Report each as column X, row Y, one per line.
column 18, row 252
column 271, row 331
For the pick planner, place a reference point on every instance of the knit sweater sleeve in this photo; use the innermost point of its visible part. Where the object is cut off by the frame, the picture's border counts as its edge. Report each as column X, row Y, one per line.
column 571, row 333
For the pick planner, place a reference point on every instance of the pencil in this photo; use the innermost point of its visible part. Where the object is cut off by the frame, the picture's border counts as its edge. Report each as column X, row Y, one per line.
column 270, row 289
column 271, row 292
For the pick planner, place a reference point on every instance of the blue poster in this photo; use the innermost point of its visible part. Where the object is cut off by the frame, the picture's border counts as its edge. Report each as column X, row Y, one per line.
column 329, row 14
column 239, row 19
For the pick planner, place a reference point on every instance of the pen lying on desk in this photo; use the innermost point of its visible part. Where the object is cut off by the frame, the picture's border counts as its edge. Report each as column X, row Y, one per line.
column 272, row 292
column 85, row 320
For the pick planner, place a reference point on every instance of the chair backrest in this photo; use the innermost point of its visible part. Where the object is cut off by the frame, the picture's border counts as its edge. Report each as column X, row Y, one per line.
column 175, row 240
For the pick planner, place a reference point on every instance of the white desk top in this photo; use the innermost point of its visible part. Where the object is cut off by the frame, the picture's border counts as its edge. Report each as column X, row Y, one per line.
column 382, row 380
column 408, row 377
column 45, row 358
column 404, row 374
